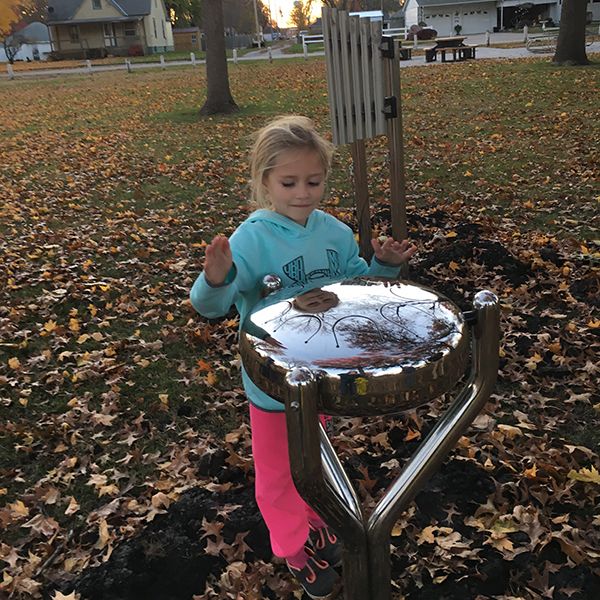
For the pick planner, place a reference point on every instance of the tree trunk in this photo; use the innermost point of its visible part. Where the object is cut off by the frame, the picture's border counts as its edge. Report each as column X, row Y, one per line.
column 570, row 47
column 218, row 96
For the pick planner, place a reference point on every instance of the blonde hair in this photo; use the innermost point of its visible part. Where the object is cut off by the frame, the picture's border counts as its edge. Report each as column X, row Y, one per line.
column 289, row 132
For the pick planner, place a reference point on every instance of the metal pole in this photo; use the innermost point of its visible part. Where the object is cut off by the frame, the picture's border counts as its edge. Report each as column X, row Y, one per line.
column 336, row 477
column 396, row 150
column 361, row 193
column 440, row 441
column 335, row 501
column 257, row 26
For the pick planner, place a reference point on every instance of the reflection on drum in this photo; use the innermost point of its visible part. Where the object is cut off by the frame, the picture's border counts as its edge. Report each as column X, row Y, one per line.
column 378, row 347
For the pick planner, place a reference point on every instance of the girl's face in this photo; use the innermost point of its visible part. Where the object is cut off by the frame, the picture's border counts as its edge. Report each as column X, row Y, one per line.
column 296, row 184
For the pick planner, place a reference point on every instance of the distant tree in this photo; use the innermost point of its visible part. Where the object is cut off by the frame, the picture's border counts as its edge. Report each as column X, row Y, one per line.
column 351, row 5
column 12, row 44
column 388, row 6
column 300, row 15
column 11, row 14
column 218, row 95
column 184, row 13
column 195, row 12
column 35, row 10
column 570, row 47
column 238, row 15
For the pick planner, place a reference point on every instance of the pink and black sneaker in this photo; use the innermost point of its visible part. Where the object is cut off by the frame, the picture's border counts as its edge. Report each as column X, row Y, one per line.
column 326, row 545
column 317, row 578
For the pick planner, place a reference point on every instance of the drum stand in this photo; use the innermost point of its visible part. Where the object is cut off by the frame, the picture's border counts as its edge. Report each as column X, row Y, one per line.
column 323, row 483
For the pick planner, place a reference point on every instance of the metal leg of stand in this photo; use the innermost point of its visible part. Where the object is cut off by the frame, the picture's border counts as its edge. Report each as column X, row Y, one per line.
column 334, row 500
column 322, row 482
column 354, row 559
column 436, row 446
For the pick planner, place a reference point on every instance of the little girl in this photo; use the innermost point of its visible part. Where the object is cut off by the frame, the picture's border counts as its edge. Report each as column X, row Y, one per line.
column 306, row 248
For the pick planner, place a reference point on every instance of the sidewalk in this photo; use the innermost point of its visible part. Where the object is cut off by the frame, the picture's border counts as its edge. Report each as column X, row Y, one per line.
column 483, row 52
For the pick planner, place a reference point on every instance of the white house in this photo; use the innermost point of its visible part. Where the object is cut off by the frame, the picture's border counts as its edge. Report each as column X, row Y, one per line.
column 35, row 43
column 96, row 28
column 478, row 16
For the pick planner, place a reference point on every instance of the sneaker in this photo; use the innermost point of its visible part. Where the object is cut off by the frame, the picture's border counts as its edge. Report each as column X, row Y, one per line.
column 317, row 578
column 326, row 545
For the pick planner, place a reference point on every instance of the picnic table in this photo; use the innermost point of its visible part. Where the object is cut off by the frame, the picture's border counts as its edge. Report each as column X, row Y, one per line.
column 454, row 46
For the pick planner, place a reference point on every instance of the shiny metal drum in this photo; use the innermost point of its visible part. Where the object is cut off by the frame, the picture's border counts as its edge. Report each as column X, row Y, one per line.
column 375, row 346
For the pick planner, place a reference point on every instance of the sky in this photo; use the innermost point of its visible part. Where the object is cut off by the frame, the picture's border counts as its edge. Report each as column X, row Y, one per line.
column 286, row 7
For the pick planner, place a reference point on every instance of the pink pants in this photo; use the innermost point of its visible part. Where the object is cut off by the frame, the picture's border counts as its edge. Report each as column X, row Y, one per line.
column 286, row 514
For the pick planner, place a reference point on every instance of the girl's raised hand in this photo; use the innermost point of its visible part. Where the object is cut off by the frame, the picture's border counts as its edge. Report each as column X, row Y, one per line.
column 217, row 260
column 393, row 252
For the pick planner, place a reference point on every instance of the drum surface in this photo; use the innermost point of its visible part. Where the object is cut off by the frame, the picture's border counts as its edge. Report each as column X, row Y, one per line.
column 375, row 346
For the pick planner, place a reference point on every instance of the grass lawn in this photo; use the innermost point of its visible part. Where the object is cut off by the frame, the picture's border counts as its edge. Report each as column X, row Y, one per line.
column 112, row 389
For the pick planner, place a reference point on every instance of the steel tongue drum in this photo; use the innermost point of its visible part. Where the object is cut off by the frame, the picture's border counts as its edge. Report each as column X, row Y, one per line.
column 375, row 346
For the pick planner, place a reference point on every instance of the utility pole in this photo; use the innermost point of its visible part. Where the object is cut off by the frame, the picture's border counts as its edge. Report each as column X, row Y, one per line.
column 258, row 36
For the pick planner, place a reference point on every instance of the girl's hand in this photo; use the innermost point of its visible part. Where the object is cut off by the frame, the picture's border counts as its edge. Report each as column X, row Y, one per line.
column 393, row 252
column 218, row 260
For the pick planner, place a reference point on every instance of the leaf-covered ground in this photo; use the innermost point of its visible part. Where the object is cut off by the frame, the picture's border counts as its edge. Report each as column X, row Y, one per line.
column 125, row 469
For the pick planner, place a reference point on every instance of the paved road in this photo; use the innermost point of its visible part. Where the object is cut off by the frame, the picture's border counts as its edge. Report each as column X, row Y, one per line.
column 491, row 52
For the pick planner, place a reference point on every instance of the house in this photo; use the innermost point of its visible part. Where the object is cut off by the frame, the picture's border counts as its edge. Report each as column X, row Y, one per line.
column 97, row 28
column 187, row 39
column 34, row 40
column 478, row 16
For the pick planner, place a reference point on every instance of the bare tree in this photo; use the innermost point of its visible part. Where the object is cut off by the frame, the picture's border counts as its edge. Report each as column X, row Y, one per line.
column 12, row 44
column 218, row 95
column 570, row 47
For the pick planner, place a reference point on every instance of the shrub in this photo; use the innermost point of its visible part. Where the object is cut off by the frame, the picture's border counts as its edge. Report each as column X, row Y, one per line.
column 135, row 50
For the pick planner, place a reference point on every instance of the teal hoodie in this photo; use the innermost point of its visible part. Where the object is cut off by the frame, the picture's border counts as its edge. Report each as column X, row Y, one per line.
column 322, row 252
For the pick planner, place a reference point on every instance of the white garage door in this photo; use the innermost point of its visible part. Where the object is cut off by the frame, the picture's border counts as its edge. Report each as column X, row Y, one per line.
column 442, row 24
column 474, row 18
column 476, row 21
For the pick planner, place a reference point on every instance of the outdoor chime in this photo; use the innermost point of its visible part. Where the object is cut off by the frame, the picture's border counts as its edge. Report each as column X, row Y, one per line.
column 380, row 347
column 363, row 81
